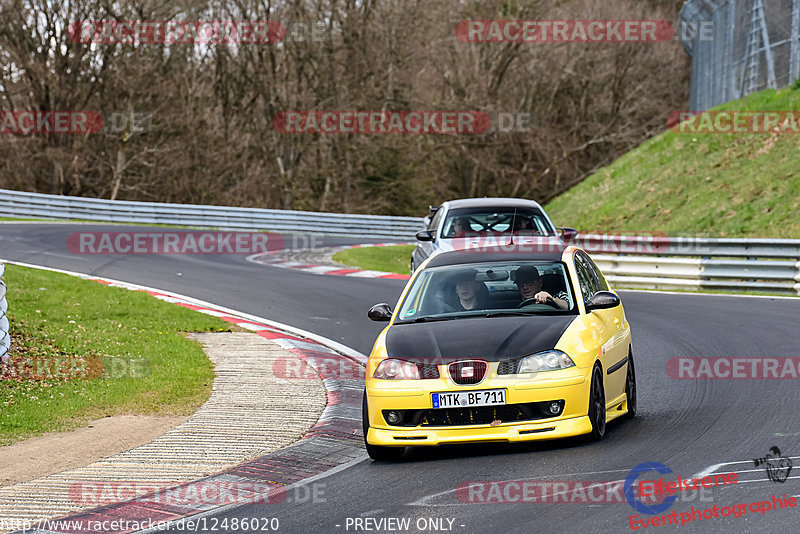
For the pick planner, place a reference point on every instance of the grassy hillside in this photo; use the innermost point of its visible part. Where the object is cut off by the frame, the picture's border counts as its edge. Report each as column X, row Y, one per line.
column 719, row 185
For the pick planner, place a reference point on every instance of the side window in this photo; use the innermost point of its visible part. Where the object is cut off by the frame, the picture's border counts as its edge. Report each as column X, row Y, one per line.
column 587, row 277
column 602, row 285
column 437, row 218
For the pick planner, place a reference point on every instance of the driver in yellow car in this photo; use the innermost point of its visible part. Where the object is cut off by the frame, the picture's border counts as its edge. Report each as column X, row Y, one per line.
column 529, row 283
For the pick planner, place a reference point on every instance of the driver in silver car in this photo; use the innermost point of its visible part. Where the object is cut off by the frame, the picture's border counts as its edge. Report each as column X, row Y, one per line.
column 529, row 283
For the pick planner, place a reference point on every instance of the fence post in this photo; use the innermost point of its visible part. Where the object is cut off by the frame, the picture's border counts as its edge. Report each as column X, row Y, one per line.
column 5, row 338
column 797, row 279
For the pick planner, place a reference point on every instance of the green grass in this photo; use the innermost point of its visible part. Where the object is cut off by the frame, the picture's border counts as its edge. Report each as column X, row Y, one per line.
column 94, row 351
column 396, row 259
column 717, row 185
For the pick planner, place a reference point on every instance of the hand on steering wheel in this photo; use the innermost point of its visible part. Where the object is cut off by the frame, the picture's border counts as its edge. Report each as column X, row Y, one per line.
column 533, row 300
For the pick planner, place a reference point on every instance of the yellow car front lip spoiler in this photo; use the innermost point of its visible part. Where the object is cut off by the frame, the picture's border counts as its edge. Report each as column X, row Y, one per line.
column 507, row 432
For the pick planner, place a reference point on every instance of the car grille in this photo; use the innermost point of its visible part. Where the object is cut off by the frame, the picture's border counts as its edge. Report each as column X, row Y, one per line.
column 427, row 371
column 507, row 367
column 480, row 415
column 468, row 372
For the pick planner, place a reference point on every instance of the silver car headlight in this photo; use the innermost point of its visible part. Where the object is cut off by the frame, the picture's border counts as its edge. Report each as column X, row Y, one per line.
column 549, row 360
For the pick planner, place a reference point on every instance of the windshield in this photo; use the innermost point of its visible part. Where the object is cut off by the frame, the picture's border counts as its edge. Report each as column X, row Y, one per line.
column 490, row 289
column 494, row 221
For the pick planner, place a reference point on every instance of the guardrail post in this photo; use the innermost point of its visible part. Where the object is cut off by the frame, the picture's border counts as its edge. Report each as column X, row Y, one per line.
column 797, row 279
column 5, row 338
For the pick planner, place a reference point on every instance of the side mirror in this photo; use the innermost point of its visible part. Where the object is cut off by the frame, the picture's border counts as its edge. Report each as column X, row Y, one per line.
column 424, row 235
column 380, row 312
column 603, row 300
column 567, row 234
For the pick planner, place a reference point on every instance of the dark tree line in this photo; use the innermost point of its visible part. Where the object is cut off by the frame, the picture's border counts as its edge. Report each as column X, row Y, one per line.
column 193, row 123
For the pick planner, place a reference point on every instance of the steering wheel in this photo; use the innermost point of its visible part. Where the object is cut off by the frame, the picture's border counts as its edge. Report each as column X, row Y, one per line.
column 444, row 306
column 532, row 300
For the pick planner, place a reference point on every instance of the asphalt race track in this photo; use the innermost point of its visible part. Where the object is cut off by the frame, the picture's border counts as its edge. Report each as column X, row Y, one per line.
column 691, row 426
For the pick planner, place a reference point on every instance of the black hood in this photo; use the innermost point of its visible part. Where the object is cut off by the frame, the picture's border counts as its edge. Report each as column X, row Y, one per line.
column 494, row 339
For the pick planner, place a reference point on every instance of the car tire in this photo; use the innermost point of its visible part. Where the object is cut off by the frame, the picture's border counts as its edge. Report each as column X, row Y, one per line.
column 630, row 388
column 597, row 406
column 377, row 452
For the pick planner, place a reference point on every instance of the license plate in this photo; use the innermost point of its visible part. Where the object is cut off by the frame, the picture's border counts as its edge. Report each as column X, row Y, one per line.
column 466, row 399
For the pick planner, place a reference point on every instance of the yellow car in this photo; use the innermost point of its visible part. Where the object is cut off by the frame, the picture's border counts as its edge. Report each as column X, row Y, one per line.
column 506, row 345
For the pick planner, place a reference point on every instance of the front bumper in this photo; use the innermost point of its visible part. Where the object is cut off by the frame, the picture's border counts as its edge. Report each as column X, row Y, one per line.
column 510, row 432
column 570, row 385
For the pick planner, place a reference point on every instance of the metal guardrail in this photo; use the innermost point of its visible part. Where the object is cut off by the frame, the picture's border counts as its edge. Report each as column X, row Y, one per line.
column 768, row 265
column 5, row 338
column 22, row 204
column 690, row 246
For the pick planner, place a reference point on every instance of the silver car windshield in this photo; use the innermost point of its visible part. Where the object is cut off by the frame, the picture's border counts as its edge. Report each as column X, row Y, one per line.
column 488, row 289
column 482, row 222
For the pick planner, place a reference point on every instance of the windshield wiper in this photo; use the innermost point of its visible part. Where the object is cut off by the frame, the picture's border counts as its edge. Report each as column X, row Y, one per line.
column 512, row 314
column 436, row 319
column 431, row 319
column 528, row 313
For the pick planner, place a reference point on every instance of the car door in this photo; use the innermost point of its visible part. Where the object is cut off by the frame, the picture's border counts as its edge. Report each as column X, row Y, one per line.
column 611, row 322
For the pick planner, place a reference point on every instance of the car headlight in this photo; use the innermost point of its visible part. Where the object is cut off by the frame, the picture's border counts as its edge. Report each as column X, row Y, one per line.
column 391, row 369
column 549, row 360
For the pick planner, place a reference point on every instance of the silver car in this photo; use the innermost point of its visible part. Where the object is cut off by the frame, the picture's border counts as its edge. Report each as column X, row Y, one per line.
column 473, row 222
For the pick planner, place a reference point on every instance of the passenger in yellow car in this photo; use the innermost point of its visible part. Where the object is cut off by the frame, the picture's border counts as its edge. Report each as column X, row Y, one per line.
column 472, row 294
column 529, row 283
